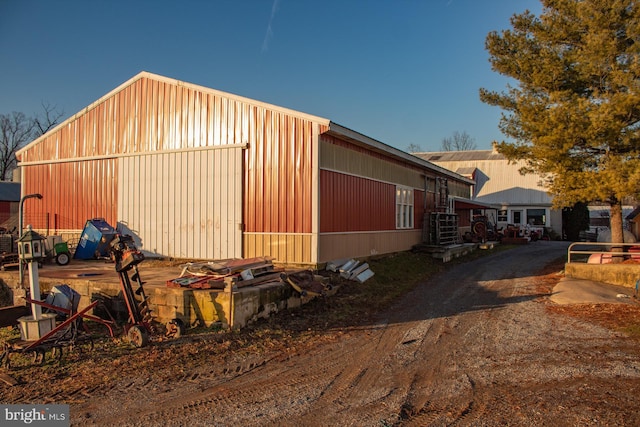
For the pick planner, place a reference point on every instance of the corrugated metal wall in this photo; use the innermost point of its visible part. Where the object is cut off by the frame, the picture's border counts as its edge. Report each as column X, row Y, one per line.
column 278, row 175
column 351, row 203
column 341, row 156
column 184, row 204
column 358, row 201
column 499, row 182
column 279, row 187
column 76, row 169
column 72, row 193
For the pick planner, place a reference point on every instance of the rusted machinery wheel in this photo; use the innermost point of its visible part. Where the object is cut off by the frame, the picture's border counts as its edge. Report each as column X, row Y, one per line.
column 138, row 336
column 175, row 328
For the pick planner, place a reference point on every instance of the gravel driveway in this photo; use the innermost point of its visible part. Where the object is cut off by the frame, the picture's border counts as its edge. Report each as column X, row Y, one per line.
column 481, row 344
column 477, row 345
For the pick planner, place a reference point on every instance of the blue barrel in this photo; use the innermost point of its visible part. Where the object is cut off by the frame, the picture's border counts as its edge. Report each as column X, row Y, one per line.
column 95, row 239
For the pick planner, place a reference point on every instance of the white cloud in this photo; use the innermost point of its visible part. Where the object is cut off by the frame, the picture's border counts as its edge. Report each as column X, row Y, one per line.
column 269, row 33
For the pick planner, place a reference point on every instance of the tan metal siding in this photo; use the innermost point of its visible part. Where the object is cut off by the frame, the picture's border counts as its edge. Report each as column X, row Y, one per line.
column 366, row 244
column 500, row 182
column 289, row 248
column 339, row 156
column 184, row 204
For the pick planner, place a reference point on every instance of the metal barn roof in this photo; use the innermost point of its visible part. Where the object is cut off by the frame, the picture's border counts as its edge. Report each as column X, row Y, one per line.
column 9, row 191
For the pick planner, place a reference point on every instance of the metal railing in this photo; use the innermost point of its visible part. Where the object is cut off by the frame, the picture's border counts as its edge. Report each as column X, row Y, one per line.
column 605, row 249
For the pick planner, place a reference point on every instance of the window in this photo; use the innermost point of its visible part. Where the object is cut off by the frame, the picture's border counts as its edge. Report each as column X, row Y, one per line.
column 502, row 216
column 404, row 207
column 536, row 216
column 517, row 217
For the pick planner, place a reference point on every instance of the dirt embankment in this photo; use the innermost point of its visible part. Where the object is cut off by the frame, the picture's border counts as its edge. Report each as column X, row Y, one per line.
column 479, row 344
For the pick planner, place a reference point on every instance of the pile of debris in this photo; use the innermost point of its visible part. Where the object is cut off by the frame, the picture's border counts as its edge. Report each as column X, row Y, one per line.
column 238, row 273
column 219, row 274
column 308, row 284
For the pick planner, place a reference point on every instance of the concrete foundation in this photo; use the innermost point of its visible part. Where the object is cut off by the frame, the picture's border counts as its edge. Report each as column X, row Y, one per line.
column 447, row 253
column 202, row 307
column 614, row 274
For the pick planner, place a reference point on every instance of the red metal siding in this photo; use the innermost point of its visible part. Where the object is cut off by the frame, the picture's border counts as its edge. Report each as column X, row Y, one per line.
column 278, row 174
column 72, row 193
column 349, row 203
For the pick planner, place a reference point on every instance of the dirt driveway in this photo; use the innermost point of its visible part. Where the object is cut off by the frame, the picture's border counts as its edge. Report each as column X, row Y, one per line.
column 478, row 345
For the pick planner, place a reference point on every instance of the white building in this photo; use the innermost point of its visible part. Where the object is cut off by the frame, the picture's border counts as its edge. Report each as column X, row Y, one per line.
column 521, row 199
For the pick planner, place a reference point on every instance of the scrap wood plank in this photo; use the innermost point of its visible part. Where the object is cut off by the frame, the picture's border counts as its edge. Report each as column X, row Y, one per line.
column 8, row 379
column 244, row 264
column 258, row 280
column 187, row 281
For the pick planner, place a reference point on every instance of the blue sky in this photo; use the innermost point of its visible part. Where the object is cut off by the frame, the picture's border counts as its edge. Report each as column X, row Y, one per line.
column 402, row 72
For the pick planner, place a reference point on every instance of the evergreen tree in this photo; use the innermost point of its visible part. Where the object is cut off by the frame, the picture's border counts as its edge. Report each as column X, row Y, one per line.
column 575, row 112
column 575, row 220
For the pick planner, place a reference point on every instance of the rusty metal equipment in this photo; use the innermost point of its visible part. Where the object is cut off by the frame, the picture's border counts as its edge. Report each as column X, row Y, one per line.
column 139, row 327
column 70, row 333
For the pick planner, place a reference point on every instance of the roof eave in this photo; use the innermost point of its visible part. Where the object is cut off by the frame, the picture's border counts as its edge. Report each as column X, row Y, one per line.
column 380, row 147
column 476, row 204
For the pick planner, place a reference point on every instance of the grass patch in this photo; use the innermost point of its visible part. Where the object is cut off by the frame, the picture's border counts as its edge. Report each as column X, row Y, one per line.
column 356, row 303
column 632, row 330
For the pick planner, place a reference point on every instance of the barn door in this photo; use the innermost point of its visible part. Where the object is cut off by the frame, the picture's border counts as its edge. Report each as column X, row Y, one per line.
column 183, row 204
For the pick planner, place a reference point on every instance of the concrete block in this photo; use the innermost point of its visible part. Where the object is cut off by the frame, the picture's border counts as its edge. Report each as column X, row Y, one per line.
column 165, row 312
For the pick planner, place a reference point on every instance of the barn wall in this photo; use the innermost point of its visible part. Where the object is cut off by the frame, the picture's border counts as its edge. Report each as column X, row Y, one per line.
column 365, row 244
column 281, row 188
column 75, row 166
column 154, row 115
column 358, row 201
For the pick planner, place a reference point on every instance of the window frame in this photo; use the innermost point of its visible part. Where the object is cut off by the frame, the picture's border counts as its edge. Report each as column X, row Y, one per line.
column 405, row 218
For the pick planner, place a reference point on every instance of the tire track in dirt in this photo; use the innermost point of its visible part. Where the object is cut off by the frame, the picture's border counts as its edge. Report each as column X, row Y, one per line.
column 485, row 298
column 429, row 360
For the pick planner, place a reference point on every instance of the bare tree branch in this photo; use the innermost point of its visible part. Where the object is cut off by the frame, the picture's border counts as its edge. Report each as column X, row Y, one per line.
column 458, row 142
column 50, row 119
column 16, row 130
